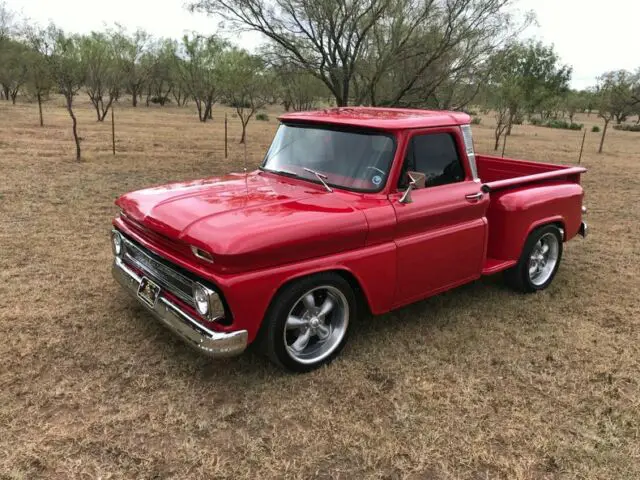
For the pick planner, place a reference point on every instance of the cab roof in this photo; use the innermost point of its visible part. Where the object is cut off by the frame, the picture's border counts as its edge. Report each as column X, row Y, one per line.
column 379, row 118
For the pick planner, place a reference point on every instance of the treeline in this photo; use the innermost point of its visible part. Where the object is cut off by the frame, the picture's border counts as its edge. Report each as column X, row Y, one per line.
column 528, row 81
column 111, row 65
column 442, row 54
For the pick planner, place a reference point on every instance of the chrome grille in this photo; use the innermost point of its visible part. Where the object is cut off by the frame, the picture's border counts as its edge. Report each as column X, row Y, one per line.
column 165, row 276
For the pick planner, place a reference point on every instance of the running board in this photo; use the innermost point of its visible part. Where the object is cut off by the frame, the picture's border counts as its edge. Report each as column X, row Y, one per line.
column 493, row 265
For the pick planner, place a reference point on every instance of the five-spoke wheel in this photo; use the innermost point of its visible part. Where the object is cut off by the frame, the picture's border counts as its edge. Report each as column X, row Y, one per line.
column 316, row 324
column 539, row 261
column 308, row 322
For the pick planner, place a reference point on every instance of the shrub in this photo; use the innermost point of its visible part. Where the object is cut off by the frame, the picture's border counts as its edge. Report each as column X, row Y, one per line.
column 627, row 128
column 476, row 121
column 595, row 129
column 535, row 121
column 518, row 119
column 262, row 117
column 471, row 113
column 563, row 124
column 160, row 100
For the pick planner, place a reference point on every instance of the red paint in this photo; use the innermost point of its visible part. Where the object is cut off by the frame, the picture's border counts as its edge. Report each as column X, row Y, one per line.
column 266, row 229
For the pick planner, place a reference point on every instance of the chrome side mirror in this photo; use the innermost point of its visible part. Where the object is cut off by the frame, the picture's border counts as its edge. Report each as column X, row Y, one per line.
column 406, row 197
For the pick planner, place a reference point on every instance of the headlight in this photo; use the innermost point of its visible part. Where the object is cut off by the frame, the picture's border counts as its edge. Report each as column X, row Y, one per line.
column 201, row 299
column 207, row 303
column 116, row 243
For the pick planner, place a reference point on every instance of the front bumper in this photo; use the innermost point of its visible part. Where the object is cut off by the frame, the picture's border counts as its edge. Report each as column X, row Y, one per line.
column 584, row 230
column 208, row 342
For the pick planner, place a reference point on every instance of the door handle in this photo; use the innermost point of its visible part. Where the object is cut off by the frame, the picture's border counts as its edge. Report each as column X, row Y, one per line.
column 474, row 196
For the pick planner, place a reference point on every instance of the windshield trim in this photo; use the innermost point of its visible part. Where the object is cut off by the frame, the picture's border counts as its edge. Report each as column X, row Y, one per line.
column 338, row 128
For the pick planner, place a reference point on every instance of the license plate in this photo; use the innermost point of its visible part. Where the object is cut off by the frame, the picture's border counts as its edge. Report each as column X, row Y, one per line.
column 148, row 291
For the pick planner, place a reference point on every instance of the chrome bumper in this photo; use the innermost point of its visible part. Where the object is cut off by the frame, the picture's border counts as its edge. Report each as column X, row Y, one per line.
column 208, row 342
column 584, row 230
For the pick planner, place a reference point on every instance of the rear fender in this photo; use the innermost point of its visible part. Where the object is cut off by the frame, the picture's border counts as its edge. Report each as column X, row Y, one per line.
column 514, row 214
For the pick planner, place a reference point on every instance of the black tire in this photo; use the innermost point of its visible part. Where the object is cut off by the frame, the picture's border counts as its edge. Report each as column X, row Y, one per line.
column 272, row 339
column 518, row 277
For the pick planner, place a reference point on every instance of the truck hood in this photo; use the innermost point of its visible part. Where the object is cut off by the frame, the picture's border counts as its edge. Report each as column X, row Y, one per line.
column 249, row 223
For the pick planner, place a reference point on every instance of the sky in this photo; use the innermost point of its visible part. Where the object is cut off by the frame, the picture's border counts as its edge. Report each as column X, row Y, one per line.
column 592, row 36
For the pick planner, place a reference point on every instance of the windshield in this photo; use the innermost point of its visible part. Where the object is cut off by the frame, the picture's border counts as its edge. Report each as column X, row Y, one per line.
column 351, row 160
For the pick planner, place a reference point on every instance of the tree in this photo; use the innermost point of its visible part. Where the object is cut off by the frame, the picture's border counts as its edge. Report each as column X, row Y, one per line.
column 606, row 99
column 103, row 72
column 41, row 42
column 245, row 84
column 574, row 102
column 161, row 63
column 6, row 32
column 69, row 75
column 388, row 49
column 616, row 92
column 298, row 89
column 13, row 68
column 197, row 64
column 130, row 52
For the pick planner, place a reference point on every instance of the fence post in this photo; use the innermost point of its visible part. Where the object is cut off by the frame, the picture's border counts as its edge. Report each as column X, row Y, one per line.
column 225, row 136
column 582, row 147
column 504, row 144
column 113, row 130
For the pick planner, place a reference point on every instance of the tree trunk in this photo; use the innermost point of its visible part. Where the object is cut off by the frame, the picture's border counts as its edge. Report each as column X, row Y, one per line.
column 5, row 92
column 105, row 110
column 74, row 127
column 497, row 144
column 134, row 97
column 244, row 132
column 14, row 94
column 40, row 108
column 604, row 132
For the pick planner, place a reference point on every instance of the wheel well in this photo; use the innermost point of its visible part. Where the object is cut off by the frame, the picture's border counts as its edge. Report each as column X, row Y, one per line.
column 361, row 298
column 347, row 275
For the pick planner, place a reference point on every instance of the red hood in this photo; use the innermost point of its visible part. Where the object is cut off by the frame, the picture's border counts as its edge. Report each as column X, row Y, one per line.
column 260, row 221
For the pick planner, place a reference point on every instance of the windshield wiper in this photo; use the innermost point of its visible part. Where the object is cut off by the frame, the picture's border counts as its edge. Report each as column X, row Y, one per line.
column 320, row 177
column 282, row 172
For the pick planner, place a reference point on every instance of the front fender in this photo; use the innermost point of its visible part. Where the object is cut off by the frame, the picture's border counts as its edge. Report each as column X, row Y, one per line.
column 374, row 268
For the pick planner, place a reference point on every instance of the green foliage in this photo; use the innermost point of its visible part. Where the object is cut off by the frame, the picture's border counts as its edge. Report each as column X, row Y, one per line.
column 556, row 123
column 563, row 124
column 476, row 121
column 625, row 127
column 595, row 129
column 263, row 117
column 380, row 52
column 198, row 61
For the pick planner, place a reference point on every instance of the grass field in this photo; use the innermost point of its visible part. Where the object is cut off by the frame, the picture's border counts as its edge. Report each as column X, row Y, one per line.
column 478, row 383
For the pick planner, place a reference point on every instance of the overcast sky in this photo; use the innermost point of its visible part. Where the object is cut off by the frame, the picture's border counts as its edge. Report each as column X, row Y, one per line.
column 590, row 35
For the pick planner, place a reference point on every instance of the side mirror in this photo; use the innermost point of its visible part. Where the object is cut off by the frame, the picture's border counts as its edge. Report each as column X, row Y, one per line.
column 406, row 198
column 416, row 180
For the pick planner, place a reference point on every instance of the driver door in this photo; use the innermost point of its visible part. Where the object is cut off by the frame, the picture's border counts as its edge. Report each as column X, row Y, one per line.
column 441, row 236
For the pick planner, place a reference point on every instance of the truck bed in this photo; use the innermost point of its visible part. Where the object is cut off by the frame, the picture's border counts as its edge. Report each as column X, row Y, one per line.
column 525, row 194
column 497, row 173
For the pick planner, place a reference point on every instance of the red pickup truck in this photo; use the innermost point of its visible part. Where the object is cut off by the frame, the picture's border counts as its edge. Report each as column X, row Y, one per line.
column 353, row 210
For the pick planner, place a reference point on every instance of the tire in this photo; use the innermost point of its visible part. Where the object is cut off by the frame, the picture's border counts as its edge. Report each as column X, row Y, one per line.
column 539, row 261
column 308, row 322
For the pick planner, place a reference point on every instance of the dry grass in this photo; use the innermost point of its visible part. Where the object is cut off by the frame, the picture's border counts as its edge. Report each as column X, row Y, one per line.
column 477, row 383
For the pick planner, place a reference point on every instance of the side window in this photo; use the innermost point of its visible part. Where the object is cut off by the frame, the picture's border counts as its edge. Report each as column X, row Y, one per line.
column 437, row 157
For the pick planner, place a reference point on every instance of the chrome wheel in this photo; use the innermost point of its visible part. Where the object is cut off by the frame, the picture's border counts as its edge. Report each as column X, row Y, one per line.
column 543, row 259
column 316, row 324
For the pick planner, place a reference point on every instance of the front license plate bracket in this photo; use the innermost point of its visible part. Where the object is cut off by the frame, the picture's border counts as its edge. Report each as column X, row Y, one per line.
column 148, row 292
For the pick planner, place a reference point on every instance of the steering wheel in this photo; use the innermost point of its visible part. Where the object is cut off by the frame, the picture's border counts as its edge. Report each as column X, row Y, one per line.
column 377, row 170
